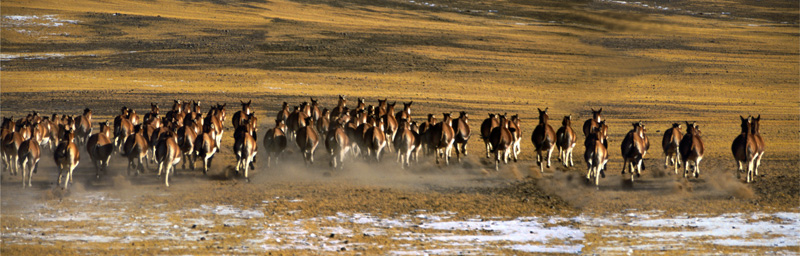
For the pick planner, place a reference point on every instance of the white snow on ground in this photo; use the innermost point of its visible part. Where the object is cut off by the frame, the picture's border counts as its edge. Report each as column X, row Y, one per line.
column 34, row 20
column 418, row 232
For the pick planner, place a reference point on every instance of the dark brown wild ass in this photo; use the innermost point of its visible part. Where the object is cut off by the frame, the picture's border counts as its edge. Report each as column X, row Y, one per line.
column 205, row 146
column 443, row 138
column 324, row 123
column 337, row 143
column 100, row 147
column 633, row 150
column 136, row 147
column 242, row 115
column 307, row 140
column 461, row 133
column 670, row 145
column 314, row 111
column 501, row 140
column 84, row 127
column 389, row 126
column 596, row 154
column 11, row 144
column 186, row 138
column 486, row 130
column 168, row 154
column 275, row 141
column 29, row 154
column 245, row 148
column 692, row 149
column 597, row 117
column 543, row 139
column 375, row 138
column 339, row 110
column 405, row 142
column 745, row 149
column 565, row 141
column 405, row 113
column 66, row 157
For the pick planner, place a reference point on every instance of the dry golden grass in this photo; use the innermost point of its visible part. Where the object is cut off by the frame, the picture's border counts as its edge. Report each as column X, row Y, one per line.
column 634, row 62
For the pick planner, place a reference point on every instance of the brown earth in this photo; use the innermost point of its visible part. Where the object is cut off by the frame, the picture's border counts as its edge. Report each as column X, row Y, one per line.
column 704, row 61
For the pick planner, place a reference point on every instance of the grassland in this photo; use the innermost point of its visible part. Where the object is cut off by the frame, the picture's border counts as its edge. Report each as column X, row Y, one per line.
column 703, row 61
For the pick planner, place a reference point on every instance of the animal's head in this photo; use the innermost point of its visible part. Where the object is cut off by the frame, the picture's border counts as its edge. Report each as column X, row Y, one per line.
column 597, row 114
column 567, row 121
column 543, row 117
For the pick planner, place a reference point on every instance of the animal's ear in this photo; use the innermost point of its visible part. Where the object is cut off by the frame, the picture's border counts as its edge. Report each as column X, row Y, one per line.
column 412, row 102
column 545, row 109
column 601, row 110
column 540, row 110
column 592, row 109
column 759, row 117
column 569, row 117
column 250, row 101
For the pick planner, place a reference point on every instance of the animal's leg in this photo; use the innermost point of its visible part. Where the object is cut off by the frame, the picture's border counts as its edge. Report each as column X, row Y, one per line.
column 549, row 154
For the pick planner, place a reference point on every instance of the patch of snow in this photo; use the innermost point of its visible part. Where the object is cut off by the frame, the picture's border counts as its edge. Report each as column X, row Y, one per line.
column 572, row 249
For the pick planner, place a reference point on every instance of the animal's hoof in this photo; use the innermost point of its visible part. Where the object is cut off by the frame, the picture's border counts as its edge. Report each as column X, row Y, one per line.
column 248, row 180
column 638, row 175
column 603, row 174
column 697, row 175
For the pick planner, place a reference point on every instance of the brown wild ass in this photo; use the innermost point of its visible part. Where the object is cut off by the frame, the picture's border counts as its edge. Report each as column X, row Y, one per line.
column 756, row 127
column 486, row 129
column 597, row 116
column 389, row 125
column 669, row 145
column 565, row 141
column 205, row 146
column 242, row 115
column 337, row 143
column 745, row 149
column 596, row 154
column 324, row 123
column 405, row 142
column 66, row 157
column 275, row 141
column 123, row 127
column 461, row 133
column 339, row 110
column 405, row 113
column 543, row 139
column 297, row 120
column 186, row 138
column 11, row 144
column 375, row 138
column 136, row 148
column 307, row 140
column 215, row 116
column 691, row 149
column 29, row 154
column 100, row 147
column 168, row 154
column 633, row 150
column 314, row 111
column 152, row 115
column 443, row 138
column 245, row 148
column 84, row 127
column 501, row 139
column 516, row 133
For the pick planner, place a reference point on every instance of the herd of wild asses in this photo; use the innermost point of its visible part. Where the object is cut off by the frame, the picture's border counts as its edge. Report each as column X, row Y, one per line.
column 365, row 132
